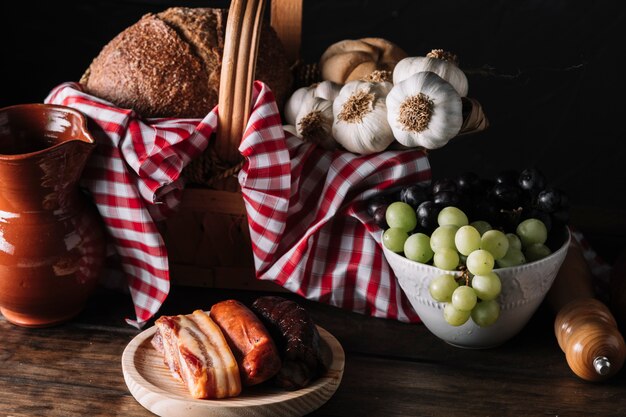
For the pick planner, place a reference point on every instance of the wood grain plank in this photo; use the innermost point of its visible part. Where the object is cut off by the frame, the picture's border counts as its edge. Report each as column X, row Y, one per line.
column 391, row 369
column 383, row 387
column 70, row 370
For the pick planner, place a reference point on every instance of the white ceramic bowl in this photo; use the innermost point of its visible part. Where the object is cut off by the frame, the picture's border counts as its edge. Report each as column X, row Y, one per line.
column 523, row 289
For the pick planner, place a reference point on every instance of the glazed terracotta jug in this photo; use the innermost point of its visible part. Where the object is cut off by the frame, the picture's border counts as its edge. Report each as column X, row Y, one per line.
column 51, row 237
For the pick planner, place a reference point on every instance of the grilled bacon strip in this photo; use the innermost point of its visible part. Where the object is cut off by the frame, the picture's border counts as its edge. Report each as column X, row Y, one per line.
column 197, row 354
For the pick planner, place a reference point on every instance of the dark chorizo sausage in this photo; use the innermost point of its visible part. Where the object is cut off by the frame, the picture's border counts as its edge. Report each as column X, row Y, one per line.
column 297, row 338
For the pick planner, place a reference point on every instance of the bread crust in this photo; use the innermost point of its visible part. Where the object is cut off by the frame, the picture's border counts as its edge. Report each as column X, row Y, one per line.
column 168, row 64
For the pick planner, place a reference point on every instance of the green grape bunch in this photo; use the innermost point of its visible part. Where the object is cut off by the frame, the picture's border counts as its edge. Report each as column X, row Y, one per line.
column 468, row 228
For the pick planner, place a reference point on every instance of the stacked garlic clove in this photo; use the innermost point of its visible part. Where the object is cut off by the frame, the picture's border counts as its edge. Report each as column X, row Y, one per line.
column 416, row 103
column 314, row 122
column 424, row 110
column 443, row 63
column 360, row 113
column 310, row 111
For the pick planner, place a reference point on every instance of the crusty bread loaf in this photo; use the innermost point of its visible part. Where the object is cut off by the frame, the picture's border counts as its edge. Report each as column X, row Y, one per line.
column 168, row 64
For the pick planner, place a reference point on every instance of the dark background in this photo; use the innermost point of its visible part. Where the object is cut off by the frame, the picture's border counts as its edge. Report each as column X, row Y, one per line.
column 550, row 75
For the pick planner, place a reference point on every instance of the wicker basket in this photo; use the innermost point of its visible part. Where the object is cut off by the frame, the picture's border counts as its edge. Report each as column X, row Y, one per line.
column 208, row 241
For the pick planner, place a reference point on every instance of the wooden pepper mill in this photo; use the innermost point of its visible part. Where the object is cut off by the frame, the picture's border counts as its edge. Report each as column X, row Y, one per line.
column 584, row 327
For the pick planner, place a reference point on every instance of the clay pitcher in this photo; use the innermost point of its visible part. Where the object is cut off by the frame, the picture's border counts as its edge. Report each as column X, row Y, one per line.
column 51, row 237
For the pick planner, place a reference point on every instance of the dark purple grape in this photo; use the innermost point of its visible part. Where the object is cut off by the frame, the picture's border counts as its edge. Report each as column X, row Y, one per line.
column 380, row 218
column 467, row 182
column 466, row 204
column 549, row 200
column 414, row 195
column 427, row 213
column 507, row 220
column 506, row 196
column 508, row 177
column 377, row 201
column 529, row 197
column 531, row 179
column 482, row 189
column 447, row 198
column 485, row 210
column 444, row 184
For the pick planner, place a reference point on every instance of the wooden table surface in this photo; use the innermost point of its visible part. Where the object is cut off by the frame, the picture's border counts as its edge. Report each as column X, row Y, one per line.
column 392, row 369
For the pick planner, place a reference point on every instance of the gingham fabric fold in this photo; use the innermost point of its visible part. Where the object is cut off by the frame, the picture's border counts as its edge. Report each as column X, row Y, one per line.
column 307, row 216
column 306, row 206
column 134, row 179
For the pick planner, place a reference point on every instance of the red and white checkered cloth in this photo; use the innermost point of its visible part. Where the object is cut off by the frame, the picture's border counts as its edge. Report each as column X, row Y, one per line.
column 307, row 216
column 134, row 178
column 305, row 205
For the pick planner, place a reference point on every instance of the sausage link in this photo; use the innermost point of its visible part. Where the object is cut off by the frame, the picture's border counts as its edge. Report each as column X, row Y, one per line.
column 297, row 338
column 251, row 343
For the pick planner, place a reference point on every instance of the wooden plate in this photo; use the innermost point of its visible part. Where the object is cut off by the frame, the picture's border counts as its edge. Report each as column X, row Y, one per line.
column 152, row 385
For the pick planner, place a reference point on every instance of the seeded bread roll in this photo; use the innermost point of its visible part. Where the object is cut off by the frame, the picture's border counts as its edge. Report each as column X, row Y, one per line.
column 168, row 64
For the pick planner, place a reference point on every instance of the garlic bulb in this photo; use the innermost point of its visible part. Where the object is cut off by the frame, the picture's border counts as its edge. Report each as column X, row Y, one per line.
column 294, row 103
column 360, row 117
column 314, row 122
column 327, row 90
column 442, row 63
column 424, row 110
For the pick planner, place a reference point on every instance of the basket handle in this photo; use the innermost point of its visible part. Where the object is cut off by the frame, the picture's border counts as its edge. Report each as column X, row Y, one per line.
column 241, row 43
column 243, row 28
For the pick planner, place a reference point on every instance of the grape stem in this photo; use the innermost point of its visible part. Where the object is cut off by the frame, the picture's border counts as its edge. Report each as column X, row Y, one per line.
column 513, row 211
column 465, row 275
